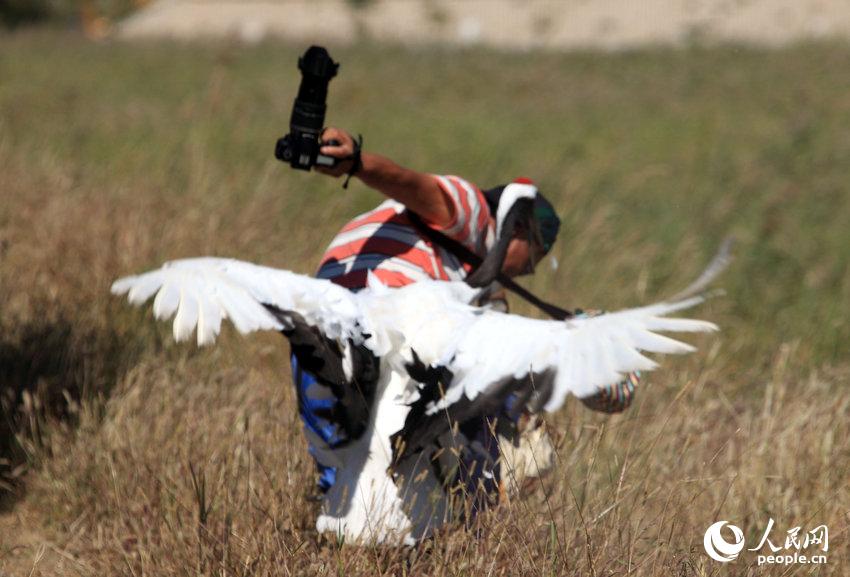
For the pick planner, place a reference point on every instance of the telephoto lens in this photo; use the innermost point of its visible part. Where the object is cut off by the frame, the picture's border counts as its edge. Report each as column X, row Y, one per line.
column 300, row 148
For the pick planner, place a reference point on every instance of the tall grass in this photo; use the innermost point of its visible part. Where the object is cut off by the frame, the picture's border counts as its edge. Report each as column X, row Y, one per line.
column 130, row 455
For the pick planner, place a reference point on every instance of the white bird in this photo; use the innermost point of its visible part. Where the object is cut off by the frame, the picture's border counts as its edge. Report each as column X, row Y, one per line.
column 407, row 364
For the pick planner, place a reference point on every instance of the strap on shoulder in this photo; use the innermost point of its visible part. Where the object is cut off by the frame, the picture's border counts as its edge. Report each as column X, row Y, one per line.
column 466, row 255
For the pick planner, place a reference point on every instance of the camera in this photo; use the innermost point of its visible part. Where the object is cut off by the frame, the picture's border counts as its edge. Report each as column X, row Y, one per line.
column 300, row 148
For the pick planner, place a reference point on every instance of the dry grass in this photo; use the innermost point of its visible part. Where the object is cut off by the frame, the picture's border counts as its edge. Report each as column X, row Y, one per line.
column 129, row 455
column 632, row 493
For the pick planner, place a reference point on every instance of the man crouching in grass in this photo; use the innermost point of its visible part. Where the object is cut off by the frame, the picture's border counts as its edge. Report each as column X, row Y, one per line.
column 389, row 242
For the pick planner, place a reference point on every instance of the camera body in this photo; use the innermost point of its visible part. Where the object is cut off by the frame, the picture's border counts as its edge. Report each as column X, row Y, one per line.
column 300, row 148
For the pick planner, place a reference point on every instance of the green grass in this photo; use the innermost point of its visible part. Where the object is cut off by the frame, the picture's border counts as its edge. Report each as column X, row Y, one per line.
column 116, row 157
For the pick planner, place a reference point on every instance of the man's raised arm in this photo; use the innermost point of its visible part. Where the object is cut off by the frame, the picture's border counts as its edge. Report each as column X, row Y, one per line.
column 418, row 191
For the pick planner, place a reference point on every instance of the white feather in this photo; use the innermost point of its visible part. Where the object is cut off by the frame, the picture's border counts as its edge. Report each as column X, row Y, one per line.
column 204, row 291
column 166, row 301
column 483, row 348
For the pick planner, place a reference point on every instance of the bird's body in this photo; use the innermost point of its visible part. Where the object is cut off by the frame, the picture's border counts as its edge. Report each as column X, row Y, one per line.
column 439, row 359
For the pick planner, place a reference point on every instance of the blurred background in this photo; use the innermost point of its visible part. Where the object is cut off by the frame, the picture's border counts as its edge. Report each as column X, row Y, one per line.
column 136, row 132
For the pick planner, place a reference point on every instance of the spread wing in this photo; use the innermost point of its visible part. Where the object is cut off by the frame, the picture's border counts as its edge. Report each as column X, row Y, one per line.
column 204, row 291
column 489, row 356
column 580, row 356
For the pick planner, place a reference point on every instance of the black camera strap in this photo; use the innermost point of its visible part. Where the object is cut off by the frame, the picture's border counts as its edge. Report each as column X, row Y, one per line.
column 466, row 255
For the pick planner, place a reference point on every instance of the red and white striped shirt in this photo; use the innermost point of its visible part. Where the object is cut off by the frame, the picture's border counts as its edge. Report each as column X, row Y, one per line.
column 385, row 242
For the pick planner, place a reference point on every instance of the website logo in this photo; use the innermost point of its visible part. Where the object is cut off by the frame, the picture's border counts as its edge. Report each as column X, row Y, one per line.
column 719, row 548
column 798, row 546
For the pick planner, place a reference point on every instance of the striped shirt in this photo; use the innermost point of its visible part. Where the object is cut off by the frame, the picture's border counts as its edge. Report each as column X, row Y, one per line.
column 385, row 242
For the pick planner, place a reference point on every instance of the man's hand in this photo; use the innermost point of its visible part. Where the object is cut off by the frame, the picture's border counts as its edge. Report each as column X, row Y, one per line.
column 418, row 191
column 345, row 149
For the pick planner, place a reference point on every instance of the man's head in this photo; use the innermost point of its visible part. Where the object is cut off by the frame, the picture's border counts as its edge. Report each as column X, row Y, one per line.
column 532, row 233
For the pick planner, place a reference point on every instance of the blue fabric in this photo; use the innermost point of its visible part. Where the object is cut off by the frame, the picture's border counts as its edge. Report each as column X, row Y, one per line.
column 327, row 431
column 471, row 473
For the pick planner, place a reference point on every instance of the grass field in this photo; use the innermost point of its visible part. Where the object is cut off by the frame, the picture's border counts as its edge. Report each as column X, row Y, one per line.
column 125, row 454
